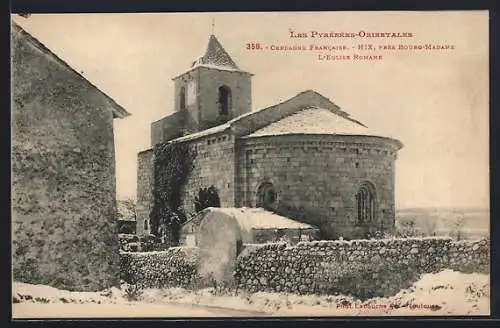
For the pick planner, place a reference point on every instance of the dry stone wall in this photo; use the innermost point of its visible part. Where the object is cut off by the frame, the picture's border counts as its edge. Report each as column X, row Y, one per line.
column 175, row 267
column 362, row 268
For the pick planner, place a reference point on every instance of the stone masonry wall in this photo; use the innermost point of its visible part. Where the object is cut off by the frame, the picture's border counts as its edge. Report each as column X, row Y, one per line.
column 213, row 165
column 363, row 268
column 63, row 175
column 175, row 267
column 317, row 177
column 144, row 190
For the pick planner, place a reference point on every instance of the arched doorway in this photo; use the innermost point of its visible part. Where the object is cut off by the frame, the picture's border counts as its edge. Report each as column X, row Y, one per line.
column 267, row 196
column 366, row 206
column 224, row 100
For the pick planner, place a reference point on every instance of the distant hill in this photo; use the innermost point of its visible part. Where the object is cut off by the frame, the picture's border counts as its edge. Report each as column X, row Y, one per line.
column 473, row 222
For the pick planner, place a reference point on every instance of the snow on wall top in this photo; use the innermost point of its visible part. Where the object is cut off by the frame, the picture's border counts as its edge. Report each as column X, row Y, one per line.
column 314, row 120
column 259, row 218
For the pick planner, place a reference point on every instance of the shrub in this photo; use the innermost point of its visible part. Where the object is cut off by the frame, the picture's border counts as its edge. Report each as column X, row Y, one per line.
column 172, row 165
column 207, row 197
column 28, row 271
column 131, row 292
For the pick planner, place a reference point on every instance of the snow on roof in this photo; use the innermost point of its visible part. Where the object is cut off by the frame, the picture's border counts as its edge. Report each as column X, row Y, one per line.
column 307, row 113
column 259, row 218
column 314, row 120
column 242, row 117
column 213, row 130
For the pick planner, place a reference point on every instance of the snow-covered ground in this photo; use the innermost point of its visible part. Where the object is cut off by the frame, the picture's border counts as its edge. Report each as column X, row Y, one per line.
column 444, row 293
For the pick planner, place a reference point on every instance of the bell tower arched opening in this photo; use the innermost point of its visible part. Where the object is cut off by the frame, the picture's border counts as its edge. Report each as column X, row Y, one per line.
column 224, row 100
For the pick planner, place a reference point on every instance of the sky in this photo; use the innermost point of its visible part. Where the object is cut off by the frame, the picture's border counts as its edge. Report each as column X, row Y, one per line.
column 435, row 102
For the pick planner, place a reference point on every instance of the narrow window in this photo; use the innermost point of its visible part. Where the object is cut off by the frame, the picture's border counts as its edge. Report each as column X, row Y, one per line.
column 365, row 201
column 182, row 99
column 224, row 100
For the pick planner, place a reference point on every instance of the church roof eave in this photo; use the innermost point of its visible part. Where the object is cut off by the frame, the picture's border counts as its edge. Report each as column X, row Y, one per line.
column 395, row 142
column 219, row 68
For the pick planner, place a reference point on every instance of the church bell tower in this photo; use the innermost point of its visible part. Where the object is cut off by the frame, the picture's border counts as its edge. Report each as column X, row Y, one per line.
column 213, row 91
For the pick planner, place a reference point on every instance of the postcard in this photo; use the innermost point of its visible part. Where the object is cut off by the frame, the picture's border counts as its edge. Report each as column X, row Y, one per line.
column 260, row 164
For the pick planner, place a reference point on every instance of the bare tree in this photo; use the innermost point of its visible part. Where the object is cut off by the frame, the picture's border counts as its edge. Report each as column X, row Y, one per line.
column 126, row 208
column 457, row 227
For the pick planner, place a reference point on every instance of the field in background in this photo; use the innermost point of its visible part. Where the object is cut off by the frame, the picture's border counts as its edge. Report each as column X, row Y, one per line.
column 467, row 223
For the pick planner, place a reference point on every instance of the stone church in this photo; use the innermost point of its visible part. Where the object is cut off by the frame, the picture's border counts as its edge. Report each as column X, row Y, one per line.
column 304, row 158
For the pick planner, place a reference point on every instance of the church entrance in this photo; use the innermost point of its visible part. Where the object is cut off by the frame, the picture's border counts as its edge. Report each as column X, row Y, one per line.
column 365, row 204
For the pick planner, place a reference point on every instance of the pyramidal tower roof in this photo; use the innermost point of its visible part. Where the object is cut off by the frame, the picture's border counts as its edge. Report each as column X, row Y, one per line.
column 216, row 55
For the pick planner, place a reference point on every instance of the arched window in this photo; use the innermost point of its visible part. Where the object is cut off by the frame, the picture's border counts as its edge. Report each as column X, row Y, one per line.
column 182, row 99
column 365, row 201
column 224, row 100
column 266, row 196
column 146, row 225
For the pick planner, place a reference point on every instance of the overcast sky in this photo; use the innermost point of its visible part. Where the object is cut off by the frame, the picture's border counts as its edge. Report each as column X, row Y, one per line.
column 436, row 103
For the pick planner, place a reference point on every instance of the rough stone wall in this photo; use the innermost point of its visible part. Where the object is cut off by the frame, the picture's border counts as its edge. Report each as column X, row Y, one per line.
column 363, row 268
column 63, row 175
column 175, row 267
column 144, row 189
column 214, row 164
column 317, row 177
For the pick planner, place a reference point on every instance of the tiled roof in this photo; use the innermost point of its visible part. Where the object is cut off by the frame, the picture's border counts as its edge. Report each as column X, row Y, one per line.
column 216, row 55
column 314, row 120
